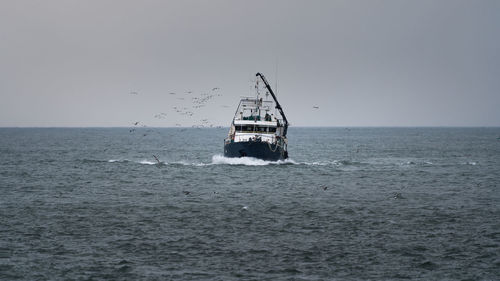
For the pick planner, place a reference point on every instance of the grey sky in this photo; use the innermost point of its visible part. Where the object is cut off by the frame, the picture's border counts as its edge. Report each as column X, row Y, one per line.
column 364, row 63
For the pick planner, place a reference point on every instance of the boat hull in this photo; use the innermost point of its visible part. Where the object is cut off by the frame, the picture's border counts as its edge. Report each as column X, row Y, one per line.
column 259, row 150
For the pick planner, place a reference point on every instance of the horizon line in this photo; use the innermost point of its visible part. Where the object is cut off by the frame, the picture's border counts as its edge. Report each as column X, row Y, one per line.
column 220, row 127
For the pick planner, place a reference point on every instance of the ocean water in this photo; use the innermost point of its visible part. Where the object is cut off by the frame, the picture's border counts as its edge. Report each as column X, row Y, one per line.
column 349, row 204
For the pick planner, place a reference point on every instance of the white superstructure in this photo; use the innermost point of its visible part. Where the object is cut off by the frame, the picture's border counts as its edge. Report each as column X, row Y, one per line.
column 255, row 118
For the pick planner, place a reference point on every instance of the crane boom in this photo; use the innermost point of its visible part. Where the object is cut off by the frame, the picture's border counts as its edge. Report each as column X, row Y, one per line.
column 278, row 106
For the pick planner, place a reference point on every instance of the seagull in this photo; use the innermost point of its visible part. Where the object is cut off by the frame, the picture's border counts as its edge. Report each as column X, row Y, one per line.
column 134, row 93
column 216, row 88
column 161, row 115
column 316, row 107
column 398, row 195
column 157, row 160
column 135, row 124
column 171, row 93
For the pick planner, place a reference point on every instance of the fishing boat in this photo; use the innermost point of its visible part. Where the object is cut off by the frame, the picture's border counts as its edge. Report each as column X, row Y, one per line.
column 259, row 127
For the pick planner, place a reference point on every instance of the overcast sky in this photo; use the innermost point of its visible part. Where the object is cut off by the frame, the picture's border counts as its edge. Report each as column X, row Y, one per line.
column 364, row 63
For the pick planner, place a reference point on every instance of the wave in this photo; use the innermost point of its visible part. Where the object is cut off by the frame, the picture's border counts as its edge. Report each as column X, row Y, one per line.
column 152, row 162
column 184, row 163
column 244, row 161
column 248, row 161
column 143, row 162
column 120, row 161
column 418, row 163
column 335, row 163
column 146, row 162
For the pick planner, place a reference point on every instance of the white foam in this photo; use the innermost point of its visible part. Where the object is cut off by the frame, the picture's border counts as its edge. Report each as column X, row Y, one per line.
column 147, row 162
column 286, row 161
column 221, row 160
column 315, row 163
column 325, row 163
column 247, row 161
column 118, row 160
column 184, row 163
column 143, row 162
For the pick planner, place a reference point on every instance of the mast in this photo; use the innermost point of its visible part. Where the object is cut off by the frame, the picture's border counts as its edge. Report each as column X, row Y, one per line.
column 278, row 106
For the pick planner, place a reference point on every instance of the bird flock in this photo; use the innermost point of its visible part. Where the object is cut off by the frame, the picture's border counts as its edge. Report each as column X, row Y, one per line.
column 188, row 106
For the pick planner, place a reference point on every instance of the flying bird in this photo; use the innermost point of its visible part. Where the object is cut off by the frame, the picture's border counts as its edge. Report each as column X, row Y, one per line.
column 157, row 160
column 161, row 115
column 134, row 93
column 316, row 107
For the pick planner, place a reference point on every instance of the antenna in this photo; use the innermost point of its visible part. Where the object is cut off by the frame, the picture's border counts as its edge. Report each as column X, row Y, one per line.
column 276, row 77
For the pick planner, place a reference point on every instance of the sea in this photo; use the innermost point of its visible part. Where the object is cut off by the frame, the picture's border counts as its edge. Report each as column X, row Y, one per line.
column 349, row 204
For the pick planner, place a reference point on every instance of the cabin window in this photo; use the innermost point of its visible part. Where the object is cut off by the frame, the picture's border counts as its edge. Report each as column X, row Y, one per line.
column 244, row 128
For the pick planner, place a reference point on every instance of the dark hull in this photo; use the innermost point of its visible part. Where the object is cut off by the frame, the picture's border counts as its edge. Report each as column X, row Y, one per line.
column 260, row 150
